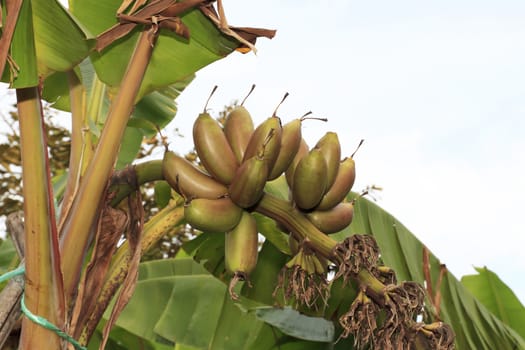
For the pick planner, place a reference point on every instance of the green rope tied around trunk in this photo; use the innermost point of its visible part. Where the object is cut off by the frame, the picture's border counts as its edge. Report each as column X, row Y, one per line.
column 39, row 319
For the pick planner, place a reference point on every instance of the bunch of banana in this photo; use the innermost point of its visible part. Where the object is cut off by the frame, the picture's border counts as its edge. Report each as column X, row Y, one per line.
column 320, row 182
column 236, row 161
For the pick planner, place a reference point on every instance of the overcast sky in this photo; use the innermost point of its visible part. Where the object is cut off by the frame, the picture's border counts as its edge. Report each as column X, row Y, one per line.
column 436, row 89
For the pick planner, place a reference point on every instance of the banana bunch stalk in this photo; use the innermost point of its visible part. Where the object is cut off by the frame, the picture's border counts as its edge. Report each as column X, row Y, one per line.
column 237, row 160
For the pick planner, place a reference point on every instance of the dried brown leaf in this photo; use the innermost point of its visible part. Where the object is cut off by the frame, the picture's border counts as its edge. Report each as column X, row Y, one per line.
column 15, row 227
column 245, row 35
column 435, row 336
column 302, row 287
column 126, row 3
column 355, row 253
column 175, row 25
column 134, row 237
column 426, row 272
column 111, row 226
column 360, row 320
column 161, row 10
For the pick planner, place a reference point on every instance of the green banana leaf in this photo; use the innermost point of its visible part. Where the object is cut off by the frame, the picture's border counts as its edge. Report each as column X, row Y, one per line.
column 475, row 325
column 152, row 113
column 46, row 39
column 497, row 297
column 121, row 339
column 174, row 58
column 181, row 305
column 7, row 254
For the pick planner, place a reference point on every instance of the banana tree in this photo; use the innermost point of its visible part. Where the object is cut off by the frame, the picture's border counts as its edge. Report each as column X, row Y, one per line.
column 110, row 64
column 316, row 282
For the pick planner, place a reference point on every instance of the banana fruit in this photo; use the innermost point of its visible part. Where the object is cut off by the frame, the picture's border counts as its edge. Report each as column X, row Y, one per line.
column 241, row 246
column 290, row 142
column 212, row 215
column 341, row 187
column 331, row 150
column 301, row 152
column 309, row 180
column 213, row 149
column 238, row 128
column 188, row 180
column 259, row 140
column 333, row 220
column 247, row 187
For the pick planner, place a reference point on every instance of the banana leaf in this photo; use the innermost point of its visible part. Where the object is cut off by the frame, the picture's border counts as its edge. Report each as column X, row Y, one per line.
column 181, row 305
column 475, row 325
column 7, row 254
column 497, row 297
column 174, row 58
column 60, row 42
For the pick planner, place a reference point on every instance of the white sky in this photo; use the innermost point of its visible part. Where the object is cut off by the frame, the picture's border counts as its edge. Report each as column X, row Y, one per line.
column 436, row 89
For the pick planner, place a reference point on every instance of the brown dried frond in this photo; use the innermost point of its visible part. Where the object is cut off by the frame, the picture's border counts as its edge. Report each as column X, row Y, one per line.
column 384, row 274
column 300, row 282
column 360, row 321
column 437, row 335
column 416, row 297
column 402, row 303
column 355, row 253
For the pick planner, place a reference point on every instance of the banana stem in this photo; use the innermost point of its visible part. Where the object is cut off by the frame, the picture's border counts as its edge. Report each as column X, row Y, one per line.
column 283, row 212
column 143, row 172
column 86, row 206
column 43, row 288
column 77, row 97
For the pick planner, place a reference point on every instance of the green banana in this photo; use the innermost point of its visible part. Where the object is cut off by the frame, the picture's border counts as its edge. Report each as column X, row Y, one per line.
column 238, row 128
column 333, row 220
column 331, row 150
column 241, row 246
column 187, row 180
column 247, row 186
column 260, row 137
column 214, row 149
column 290, row 144
column 309, row 180
column 341, row 187
column 290, row 141
column 212, row 215
column 301, row 152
